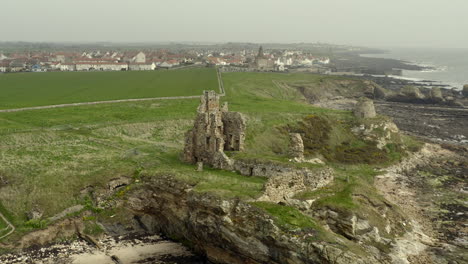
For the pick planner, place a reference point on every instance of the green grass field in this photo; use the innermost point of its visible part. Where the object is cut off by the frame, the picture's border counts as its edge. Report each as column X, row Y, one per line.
column 37, row 89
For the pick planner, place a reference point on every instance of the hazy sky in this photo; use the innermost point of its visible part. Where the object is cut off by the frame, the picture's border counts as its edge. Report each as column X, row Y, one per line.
column 426, row 23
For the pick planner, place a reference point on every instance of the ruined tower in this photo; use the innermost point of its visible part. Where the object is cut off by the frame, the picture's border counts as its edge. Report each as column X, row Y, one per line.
column 364, row 108
column 214, row 131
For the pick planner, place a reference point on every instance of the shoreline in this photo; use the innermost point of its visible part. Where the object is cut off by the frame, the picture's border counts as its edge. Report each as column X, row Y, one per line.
column 125, row 249
column 429, row 70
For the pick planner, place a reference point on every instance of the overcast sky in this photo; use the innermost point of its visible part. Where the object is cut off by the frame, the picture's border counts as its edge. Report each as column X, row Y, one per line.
column 379, row 23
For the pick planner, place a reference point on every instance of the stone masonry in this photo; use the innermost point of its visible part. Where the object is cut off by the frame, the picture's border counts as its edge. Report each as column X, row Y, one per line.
column 215, row 130
column 364, row 108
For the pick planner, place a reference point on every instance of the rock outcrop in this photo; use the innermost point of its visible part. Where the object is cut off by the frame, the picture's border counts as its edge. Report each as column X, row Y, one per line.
column 408, row 94
column 215, row 130
column 228, row 231
column 296, row 146
column 282, row 188
column 364, row 108
column 436, row 95
column 381, row 132
column 465, row 90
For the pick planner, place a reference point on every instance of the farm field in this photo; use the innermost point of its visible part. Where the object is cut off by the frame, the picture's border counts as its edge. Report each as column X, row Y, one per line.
column 37, row 89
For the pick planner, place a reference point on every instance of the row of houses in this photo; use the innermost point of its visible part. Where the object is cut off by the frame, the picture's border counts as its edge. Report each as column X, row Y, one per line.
column 12, row 66
column 62, row 62
column 273, row 60
column 88, row 61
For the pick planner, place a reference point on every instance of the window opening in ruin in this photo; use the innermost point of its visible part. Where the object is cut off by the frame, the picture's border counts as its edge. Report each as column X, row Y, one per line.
column 207, row 141
column 251, row 171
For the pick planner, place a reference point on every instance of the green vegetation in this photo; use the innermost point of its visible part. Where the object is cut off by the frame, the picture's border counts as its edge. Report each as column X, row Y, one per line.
column 286, row 216
column 49, row 155
column 36, row 89
column 349, row 180
column 92, row 227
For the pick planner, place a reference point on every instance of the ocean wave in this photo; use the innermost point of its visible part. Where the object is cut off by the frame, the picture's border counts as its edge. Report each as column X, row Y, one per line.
column 429, row 67
column 406, row 78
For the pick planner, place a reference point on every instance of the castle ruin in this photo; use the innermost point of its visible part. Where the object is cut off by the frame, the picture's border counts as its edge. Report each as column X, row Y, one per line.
column 215, row 130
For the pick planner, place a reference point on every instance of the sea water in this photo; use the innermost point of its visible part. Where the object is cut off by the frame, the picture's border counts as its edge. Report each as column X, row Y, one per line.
column 449, row 66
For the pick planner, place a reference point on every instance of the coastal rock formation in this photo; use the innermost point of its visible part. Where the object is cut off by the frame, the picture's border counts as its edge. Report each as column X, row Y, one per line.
column 229, row 231
column 281, row 189
column 379, row 92
column 215, row 130
column 465, row 90
column 296, row 146
column 452, row 101
column 364, row 108
column 381, row 132
column 412, row 92
column 436, row 95
column 408, row 94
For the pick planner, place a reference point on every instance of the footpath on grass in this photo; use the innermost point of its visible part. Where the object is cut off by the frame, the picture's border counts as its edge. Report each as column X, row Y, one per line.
column 220, row 84
column 10, row 228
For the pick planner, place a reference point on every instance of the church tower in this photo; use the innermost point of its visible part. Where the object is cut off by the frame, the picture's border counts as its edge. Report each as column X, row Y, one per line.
column 260, row 53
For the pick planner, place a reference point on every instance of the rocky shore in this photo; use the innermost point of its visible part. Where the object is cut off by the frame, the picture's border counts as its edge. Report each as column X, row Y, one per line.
column 367, row 65
column 144, row 249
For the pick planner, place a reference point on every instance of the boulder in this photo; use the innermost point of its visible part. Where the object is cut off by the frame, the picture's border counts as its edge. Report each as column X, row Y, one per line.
column 364, row 108
column 452, row 101
column 379, row 92
column 412, row 93
column 436, row 95
column 408, row 94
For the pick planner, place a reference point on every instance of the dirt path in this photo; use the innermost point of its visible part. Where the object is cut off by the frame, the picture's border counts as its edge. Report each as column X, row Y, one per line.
column 220, row 87
column 9, row 226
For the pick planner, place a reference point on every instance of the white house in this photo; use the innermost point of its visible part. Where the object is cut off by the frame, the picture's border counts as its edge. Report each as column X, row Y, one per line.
column 142, row 66
column 67, row 66
column 2, row 56
column 169, row 64
column 4, row 66
column 139, row 58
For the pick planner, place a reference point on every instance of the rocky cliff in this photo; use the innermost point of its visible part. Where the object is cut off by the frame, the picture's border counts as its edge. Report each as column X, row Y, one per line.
column 230, row 231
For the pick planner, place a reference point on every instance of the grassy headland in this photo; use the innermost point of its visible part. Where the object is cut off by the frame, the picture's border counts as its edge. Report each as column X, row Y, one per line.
column 48, row 156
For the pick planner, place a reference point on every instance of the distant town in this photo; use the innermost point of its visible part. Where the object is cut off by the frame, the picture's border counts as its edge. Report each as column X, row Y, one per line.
column 96, row 60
